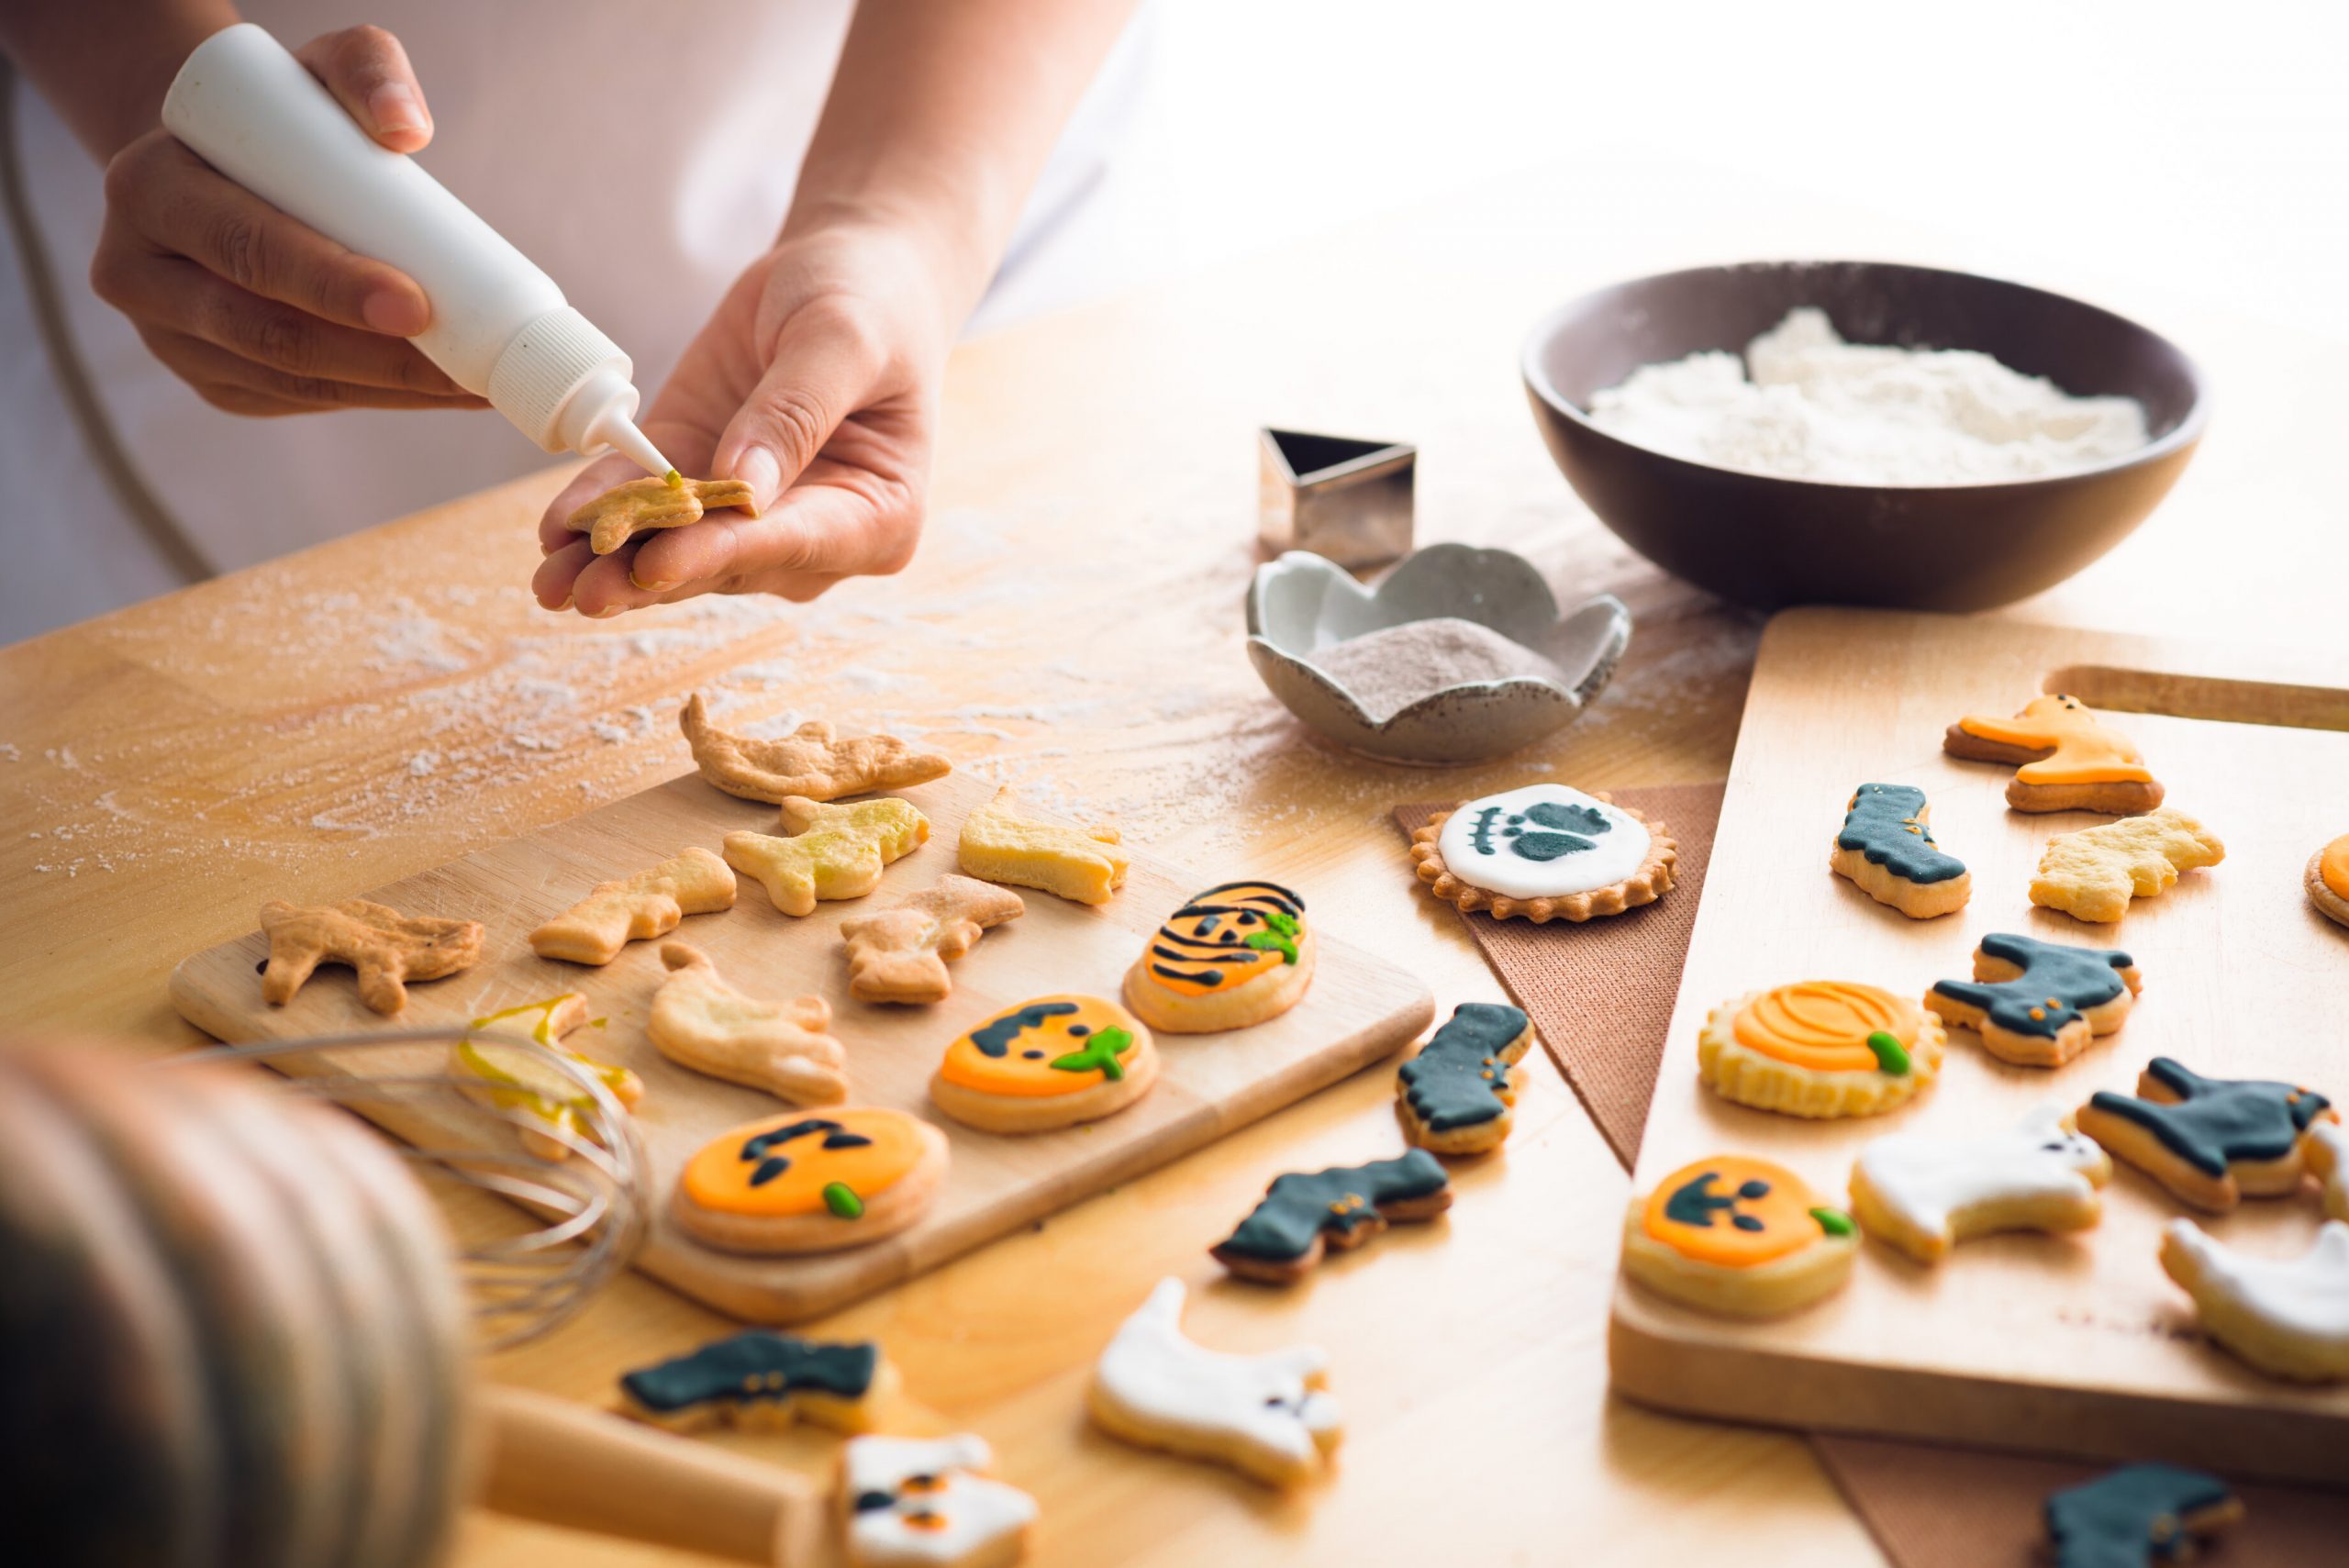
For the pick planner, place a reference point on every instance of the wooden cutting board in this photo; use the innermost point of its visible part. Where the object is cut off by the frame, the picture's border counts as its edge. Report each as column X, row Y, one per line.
column 1360, row 1008
column 2077, row 1345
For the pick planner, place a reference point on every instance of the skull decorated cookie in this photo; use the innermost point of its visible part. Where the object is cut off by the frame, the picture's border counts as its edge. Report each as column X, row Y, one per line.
column 1544, row 853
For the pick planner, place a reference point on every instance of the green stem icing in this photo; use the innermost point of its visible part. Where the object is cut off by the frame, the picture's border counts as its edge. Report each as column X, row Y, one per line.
column 1890, row 1054
column 1101, row 1053
column 841, row 1199
column 1280, row 938
column 1834, row 1221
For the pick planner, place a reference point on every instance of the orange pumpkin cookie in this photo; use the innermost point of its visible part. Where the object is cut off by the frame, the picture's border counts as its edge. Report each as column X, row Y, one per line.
column 1819, row 1049
column 2328, row 880
column 1234, row 955
column 1048, row 1063
column 1740, row 1236
column 2070, row 760
column 811, row 1184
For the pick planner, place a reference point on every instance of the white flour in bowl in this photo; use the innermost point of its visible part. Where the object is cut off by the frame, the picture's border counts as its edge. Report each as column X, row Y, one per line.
column 1817, row 407
column 1389, row 670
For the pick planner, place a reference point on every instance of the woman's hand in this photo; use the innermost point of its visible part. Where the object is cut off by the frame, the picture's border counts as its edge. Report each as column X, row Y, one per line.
column 260, row 314
column 815, row 380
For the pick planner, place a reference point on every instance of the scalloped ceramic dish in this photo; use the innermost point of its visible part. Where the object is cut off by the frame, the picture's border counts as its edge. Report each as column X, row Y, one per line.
column 1301, row 602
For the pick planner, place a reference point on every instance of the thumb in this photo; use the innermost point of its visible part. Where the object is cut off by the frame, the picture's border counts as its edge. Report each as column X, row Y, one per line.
column 825, row 360
column 368, row 72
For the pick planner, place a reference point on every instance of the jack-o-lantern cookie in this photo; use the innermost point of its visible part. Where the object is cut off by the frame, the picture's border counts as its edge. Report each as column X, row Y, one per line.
column 811, row 1184
column 1544, row 853
column 1236, row 954
column 1819, row 1049
column 2328, row 880
column 2069, row 760
column 1048, row 1063
column 1740, row 1236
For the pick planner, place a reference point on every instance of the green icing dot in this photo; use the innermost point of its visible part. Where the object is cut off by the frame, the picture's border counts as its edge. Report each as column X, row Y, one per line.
column 1890, row 1054
column 842, row 1200
column 1834, row 1221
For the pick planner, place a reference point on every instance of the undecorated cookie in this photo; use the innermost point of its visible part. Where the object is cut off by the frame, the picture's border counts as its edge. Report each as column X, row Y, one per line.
column 2092, row 875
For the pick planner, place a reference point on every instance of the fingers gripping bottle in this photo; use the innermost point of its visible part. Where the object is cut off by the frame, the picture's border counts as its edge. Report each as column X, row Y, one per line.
column 500, row 327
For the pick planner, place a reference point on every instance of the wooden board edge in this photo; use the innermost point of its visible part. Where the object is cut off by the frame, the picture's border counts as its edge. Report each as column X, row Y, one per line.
column 1761, row 1386
column 684, row 1266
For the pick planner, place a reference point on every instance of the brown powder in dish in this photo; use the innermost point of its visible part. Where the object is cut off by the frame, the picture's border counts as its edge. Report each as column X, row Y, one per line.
column 1394, row 667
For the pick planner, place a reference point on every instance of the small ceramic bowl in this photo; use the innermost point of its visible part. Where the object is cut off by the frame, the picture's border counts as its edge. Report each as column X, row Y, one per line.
column 1769, row 541
column 1301, row 602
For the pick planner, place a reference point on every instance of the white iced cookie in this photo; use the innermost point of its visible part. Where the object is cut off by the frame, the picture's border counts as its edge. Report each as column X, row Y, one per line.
column 1544, row 853
column 2288, row 1316
column 2328, row 1156
column 1265, row 1416
column 1924, row 1195
column 919, row 1502
column 1542, row 841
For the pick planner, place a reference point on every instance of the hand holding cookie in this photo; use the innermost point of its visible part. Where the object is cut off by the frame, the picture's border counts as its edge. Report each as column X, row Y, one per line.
column 814, row 386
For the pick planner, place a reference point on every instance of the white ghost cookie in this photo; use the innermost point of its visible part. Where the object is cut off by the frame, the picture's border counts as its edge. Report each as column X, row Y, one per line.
column 2288, row 1316
column 1265, row 1416
column 919, row 1502
column 1924, row 1195
column 2327, row 1151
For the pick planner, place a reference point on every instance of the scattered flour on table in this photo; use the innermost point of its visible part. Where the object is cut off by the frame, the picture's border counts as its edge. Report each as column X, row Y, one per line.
column 1390, row 669
column 1817, row 407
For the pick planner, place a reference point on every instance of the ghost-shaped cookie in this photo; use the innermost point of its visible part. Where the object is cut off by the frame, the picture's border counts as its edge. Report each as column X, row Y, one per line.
column 919, row 1503
column 1265, row 1416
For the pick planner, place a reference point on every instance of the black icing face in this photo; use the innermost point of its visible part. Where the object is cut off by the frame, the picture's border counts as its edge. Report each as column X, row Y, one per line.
column 1546, row 830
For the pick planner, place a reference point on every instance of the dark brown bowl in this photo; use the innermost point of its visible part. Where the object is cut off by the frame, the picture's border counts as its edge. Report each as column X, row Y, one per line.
column 1768, row 541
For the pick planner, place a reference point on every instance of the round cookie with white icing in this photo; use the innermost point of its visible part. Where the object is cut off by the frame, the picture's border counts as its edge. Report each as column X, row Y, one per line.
column 1544, row 851
column 1821, row 1049
column 1265, row 1416
column 920, row 1503
column 2288, row 1316
column 1923, row 1195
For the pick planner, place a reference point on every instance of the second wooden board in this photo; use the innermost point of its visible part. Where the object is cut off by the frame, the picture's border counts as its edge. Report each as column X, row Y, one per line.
column 1360, row 1008
column 2075, row 1344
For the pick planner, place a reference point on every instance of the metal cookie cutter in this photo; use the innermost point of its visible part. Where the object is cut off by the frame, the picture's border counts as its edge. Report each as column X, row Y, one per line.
column 1345, row 500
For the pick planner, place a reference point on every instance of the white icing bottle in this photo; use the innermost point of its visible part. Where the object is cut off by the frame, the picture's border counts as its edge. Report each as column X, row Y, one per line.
column 500, row 327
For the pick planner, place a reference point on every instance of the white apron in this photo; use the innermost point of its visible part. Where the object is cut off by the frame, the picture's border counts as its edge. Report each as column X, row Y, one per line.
column 534, row 129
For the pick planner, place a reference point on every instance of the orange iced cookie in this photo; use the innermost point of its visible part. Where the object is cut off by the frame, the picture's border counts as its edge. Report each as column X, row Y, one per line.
column 2070, row 760
column 1819, row 1049
column 1740, row 1236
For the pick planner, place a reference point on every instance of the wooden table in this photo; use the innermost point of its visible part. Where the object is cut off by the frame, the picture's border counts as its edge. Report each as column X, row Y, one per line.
column 361, row 711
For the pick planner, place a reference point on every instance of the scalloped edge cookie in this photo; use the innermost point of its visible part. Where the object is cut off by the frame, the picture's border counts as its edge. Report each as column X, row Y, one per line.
column 1743, row 1076
column 1645, row 885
